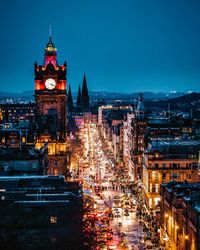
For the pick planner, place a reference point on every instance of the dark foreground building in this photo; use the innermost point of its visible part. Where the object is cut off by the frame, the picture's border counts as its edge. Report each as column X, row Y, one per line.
column 40, row 212
column 23, row 161
column 180, row 215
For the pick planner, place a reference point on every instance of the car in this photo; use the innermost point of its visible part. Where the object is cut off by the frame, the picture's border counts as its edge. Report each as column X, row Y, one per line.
column 123, row 243
column 126, row 213
column 104, row 230
column 101, row 239
column 133, row 209
column 109, row 236
column 112, row 246
column 149, row 247
column 117, row 215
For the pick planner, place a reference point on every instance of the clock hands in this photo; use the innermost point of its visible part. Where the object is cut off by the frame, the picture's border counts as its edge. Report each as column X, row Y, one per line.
column 50, row 83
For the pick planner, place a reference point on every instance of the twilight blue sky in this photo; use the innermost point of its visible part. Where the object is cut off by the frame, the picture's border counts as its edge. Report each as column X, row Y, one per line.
column 121, row 45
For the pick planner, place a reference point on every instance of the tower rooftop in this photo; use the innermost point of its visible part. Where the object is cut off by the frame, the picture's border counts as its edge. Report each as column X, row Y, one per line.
column 50, row 47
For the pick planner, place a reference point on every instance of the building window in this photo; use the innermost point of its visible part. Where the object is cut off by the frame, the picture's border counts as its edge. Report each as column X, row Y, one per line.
column 192, row 156
column 188, row 165
column 164, row 165
column 156, row 177
column 174, row 165
column 164, row 176
column 150, row 202
column 174, row 175
column 157, row 188
column 156, row 201
column 53, row 219
column 150, row 175
column 29, row 239
column 150, row 187
column 156, row 165
column 55, row 171
column 190, row 149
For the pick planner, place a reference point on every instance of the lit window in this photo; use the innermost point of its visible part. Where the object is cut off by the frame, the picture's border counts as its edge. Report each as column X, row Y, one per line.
column 53, row 219
column 55, row 171
column 150, row 202
column 150, row 188
column 156, row 201
column 157, row 188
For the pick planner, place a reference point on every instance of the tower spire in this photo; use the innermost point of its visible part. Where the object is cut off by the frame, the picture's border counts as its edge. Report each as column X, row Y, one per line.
column 50, row 34
column 50, row 51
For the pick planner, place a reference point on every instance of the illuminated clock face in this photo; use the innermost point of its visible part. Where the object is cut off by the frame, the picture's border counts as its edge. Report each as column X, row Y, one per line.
column 50, row 83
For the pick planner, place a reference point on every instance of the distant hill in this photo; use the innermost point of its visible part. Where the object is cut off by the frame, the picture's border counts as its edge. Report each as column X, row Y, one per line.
column 24, row 94
column 95, row 95
column 186, row 101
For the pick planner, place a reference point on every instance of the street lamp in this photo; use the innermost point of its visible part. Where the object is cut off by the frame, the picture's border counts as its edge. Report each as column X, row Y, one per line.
column 186, row 237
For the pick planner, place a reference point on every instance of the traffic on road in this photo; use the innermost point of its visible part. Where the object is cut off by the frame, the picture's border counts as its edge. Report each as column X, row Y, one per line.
column 111, row 216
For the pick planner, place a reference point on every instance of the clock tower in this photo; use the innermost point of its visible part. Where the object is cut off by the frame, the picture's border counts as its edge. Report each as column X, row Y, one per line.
column 50, row 95
column 51, row 98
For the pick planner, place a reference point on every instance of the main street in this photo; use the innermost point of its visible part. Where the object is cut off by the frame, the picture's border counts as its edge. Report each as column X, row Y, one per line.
column 110, row 205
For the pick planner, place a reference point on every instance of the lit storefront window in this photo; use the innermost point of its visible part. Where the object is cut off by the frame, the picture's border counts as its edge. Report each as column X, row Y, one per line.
column 53, row 219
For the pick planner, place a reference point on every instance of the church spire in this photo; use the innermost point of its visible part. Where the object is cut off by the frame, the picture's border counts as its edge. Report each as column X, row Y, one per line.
column 79, row 98
column 85, row 96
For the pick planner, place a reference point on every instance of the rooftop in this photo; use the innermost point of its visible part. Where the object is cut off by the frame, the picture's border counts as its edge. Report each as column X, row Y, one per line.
column 174, row 146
